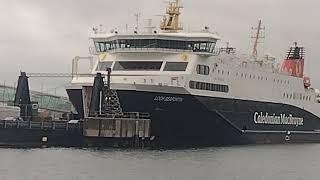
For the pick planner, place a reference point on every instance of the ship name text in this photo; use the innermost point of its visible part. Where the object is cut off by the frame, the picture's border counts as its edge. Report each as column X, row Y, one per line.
column 168, row 99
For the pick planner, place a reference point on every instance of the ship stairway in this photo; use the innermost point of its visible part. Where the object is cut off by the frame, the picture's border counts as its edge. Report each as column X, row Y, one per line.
column 108, row 124
column 112, row 104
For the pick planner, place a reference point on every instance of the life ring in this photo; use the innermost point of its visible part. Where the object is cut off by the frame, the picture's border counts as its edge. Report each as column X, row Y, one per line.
column 184, row 57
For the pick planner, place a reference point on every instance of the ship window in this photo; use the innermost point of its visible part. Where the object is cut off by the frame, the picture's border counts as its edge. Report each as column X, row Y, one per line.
column 208, row 86
column 198, row 85
column 192, row 84
column 204, row 70
column 155, row 43
column 176, row 66
column 137, row 66
column 203, row 86
column 103, row 66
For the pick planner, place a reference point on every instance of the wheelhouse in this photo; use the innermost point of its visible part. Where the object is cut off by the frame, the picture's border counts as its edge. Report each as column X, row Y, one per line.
column 177, row 42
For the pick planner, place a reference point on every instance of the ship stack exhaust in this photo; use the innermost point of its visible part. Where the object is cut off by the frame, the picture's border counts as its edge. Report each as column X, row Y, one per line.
column 294, row 62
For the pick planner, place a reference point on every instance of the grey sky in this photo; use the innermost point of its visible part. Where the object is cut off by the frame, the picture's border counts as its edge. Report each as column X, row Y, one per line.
column 44, row 35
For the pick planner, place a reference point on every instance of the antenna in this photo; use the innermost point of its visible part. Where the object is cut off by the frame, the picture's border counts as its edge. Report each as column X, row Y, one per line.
column 259, row 34
column 137, row 15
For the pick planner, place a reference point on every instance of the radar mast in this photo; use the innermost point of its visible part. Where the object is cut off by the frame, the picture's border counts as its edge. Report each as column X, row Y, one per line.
column 259, row 34
column 170, row 21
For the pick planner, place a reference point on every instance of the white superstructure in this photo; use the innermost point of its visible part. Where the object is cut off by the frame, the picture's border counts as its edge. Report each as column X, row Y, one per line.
column 191, row 61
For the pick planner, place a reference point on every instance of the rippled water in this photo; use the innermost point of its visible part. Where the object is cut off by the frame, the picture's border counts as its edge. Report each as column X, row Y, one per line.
column 294, row 162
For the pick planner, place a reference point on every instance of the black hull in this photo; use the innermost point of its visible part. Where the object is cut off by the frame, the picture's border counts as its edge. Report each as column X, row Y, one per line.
column 26, row 138
column 193, row 121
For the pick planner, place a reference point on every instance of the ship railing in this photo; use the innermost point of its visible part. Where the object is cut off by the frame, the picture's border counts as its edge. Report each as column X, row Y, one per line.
column 43, row 125
column 128, row 115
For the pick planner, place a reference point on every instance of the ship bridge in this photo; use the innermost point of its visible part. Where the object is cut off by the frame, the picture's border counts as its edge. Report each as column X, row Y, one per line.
column 169, row 39
column 198, row 43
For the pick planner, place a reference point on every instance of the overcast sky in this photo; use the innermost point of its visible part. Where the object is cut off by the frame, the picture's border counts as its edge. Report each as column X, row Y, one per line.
column 44, row 35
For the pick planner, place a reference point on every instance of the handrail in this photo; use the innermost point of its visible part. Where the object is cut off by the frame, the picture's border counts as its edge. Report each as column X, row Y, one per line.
column 43, row 125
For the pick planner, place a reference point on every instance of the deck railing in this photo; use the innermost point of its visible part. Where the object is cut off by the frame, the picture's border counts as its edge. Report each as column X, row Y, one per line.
column 5, row 124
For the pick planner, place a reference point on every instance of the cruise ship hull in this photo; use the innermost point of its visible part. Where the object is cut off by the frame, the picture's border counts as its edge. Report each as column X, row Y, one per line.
column 184, row 120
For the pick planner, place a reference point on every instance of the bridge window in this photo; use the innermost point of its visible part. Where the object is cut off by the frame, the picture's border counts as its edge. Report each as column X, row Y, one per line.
column 176, row 66
column 208, row 86
column 103, row 66
column 155, row 43
column 202, row 69
column 137, row 66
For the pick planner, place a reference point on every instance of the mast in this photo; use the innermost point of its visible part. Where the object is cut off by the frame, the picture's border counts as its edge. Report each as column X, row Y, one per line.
column 137, row 16
column 170, row 21
column 256, row 37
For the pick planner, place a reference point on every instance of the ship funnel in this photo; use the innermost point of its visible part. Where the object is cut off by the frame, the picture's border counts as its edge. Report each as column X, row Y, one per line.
column 294, row 62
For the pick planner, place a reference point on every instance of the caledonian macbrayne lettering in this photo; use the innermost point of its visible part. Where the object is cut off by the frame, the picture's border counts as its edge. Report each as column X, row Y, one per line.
column 282, row 119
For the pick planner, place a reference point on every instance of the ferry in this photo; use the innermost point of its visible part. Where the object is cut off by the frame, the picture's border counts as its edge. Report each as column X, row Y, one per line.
column 198, row 94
